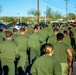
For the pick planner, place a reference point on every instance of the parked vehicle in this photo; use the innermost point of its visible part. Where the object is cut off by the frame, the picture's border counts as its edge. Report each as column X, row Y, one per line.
column 1, row 26
column 9, row 25
column 19, row 25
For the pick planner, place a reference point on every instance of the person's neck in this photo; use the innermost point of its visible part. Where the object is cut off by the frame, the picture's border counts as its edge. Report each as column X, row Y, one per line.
column 65, row 35
column 22, row 33
column 9, row 39
column 35, row 31
column 50, row 54
column 60, row 41
column 14, row 33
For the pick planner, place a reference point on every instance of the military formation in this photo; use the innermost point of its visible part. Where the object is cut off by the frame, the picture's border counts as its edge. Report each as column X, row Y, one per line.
column 39, row 50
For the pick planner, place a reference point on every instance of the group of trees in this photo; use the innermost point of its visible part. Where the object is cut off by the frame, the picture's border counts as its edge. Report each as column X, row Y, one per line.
column 51, row 15
column 32, row 16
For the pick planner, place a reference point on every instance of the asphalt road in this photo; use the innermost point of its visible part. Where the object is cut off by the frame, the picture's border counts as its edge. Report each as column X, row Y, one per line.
column 74, row 69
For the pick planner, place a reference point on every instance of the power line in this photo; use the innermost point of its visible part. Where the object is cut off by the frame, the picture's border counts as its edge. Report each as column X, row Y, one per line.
column 56, row 2
column 52, row 4
column 71, row 3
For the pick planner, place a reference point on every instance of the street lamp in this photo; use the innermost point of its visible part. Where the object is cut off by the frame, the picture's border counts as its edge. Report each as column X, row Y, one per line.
column 19, row 18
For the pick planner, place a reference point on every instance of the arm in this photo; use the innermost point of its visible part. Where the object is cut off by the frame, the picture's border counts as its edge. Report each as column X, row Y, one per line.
column 16, row 52
column 71, row 61
column 0, row 53
column 48, row 41
column 33, row 70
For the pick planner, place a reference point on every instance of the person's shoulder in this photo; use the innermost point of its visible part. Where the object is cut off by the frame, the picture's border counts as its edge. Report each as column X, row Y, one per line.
column 2, row 42
column 33, row 35
column 26, row 37
column 53, row 36
column 0, row 32
column 54, row 59
column 40, row 30
column 39, row 59
column 43, row 58
column 55, row 44
column 18, row 36
column 64, row 44
column 46, row 58
column 1, row 37
column 12, row 43
column 66, row 37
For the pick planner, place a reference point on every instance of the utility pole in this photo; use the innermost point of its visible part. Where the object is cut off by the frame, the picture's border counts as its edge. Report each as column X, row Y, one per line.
column 66, row 8
column 38, row 10
column 28, row 13
column 0, row 12
column 45, row 11
column 75, row 12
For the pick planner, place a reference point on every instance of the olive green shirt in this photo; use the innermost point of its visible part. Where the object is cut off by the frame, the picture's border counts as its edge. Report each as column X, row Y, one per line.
column 44, row 33
column 2, row 34
column 22, row 43
column 1, row 39
column 14, row 36
column 35, row 41
column 52, row 39
column 67, row 41
column 60, row 52
column 46, row 65
column 8, row 50
column 75, row 35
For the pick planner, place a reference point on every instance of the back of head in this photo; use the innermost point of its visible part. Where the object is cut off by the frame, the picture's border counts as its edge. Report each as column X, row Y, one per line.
column 59, row 36
column 22, row 29
column 26, row 26
column 48, row 48
column 65, row 32
column 23, row 26
column 35, row 28
column 15, row 30
column 69, row 28
column 8, row 33
column 4, row 29
column 55, row 30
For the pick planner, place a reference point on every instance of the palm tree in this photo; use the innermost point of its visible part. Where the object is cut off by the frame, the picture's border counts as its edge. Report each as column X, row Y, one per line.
column 34, row 12
column 71, row 16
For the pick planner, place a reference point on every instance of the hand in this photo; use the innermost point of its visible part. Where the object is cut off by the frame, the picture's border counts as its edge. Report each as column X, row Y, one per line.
column 70, row 69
